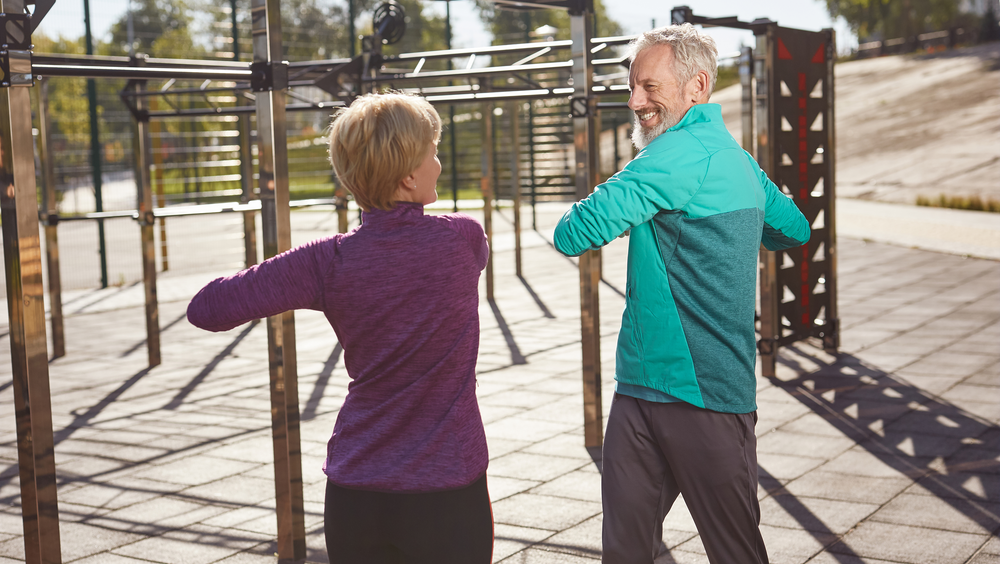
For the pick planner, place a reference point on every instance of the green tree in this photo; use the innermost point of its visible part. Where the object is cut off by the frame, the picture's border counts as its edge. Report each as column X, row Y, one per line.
column 889, row 19
column 510, row 26
column 151, row 21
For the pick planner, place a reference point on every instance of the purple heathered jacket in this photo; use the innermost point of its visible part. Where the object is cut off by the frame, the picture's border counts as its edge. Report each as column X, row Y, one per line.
column 402, row 293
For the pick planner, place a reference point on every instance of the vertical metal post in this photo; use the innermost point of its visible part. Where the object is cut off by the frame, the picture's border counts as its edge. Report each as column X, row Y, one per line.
column 25, row 302
column 770, row 320
column 531, row 165
column 486, row 184
column 273, row 183
column 156, row 144
column 746, row 82
column 246, row 161
column 583, row 107
column 95, row 151
column 515, row 180
column 493, row 149
column 144, row 196
column 452, row 137
column 617, row 145
column 526, row 19
column 246, row 183
column 340, row 195
column 831, row 339
column 51, row 214
column 350, row 28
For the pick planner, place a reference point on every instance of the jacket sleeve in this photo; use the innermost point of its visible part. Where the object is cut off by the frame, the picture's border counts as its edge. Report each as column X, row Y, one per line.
column 472, row 231
column 291, row 280
column 646, row 186
column 784, row 225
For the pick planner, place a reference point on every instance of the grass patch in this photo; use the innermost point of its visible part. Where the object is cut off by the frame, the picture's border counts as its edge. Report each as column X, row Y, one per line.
column 974, row 203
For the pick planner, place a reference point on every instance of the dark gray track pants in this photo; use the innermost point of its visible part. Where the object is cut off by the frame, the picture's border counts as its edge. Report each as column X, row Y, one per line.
column 655, row 451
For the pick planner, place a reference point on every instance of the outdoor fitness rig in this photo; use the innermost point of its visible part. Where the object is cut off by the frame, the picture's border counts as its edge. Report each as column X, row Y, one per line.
column 791, row 155
column 788, row 95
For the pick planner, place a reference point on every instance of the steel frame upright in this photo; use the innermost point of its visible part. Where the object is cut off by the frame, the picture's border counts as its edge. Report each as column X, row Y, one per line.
column 515, row 179
column 486, row 185
column 272, row 150
column 586, row 124
column 147, row 222
column 50, row 213
column 796, row 146
column 25, row 302
column 246, row 185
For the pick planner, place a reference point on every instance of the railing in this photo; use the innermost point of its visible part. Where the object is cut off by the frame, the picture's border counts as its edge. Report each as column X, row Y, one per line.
column 931, row 41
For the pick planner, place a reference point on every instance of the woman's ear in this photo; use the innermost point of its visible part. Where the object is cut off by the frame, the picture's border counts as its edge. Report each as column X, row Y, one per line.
column 408, row 183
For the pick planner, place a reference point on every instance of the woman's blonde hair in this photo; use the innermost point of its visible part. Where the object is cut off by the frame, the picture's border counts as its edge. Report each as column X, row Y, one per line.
column 377, row 141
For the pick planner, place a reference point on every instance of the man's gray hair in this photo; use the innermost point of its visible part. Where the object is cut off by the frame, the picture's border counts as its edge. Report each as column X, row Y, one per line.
column 693, row 51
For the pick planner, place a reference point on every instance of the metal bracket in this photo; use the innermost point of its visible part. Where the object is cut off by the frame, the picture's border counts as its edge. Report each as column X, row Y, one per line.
column 15, row 31
column 15, row 50
column 578, row 107
column 766, row 346
column 42, row 7
column 268, row 76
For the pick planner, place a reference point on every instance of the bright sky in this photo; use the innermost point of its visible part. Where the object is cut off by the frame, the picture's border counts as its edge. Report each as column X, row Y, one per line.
column 634, row 15
column 638, row 15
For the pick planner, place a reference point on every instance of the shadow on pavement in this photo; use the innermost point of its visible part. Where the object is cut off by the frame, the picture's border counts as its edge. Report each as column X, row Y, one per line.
column 947, row 450
column 142, row 343
column 515, row 352
column 181, row 395
column 321, row 382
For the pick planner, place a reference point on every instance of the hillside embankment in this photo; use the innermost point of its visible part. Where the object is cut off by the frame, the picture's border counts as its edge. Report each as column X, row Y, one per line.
column 913, row 126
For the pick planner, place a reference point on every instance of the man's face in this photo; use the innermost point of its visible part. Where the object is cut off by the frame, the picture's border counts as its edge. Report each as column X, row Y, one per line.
column 657, row 98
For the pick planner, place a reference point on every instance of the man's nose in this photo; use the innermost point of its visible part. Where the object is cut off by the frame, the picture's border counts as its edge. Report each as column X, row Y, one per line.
column 636, row 99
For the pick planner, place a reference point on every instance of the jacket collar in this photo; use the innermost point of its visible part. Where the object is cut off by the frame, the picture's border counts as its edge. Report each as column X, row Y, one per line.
column 699, row 113
column 403, row 210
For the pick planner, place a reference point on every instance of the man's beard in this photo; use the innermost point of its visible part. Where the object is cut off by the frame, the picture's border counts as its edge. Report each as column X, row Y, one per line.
column 642, row 136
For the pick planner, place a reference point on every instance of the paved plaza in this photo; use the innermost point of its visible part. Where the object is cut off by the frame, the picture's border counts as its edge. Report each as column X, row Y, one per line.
column 885, row 453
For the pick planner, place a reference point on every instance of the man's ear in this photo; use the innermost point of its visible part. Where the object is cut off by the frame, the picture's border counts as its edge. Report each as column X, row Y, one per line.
column 699, row 88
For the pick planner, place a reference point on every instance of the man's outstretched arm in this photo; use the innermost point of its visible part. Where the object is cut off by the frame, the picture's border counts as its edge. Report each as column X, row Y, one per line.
column 784, row 225
column 630, row 198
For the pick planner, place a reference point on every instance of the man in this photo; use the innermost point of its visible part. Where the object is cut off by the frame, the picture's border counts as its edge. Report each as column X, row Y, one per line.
column 698, row 208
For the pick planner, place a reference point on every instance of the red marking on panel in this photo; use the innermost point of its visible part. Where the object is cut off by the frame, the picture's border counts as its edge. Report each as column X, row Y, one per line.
column 803, row 167
column 802, row 103
column 802, row 193
column 820, row 56
column 802, row 82
column 802, row 146
column 783, row 51
column 805, row 318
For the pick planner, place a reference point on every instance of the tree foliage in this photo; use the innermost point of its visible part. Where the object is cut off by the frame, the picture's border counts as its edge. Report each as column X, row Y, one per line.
column 509, row 26
column 161, row 28
column 888, row 19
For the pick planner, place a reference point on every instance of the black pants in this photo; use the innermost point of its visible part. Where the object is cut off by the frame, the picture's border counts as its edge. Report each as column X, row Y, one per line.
column 655, row 451
column 450, row 527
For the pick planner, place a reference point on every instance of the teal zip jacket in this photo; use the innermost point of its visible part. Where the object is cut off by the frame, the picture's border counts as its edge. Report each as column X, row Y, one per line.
column 698, row 208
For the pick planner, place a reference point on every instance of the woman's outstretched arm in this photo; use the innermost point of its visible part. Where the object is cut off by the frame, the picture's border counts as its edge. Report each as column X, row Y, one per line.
column 291, row 280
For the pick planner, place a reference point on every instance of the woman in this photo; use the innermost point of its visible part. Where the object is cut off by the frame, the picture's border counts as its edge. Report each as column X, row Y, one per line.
column 407, row 460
